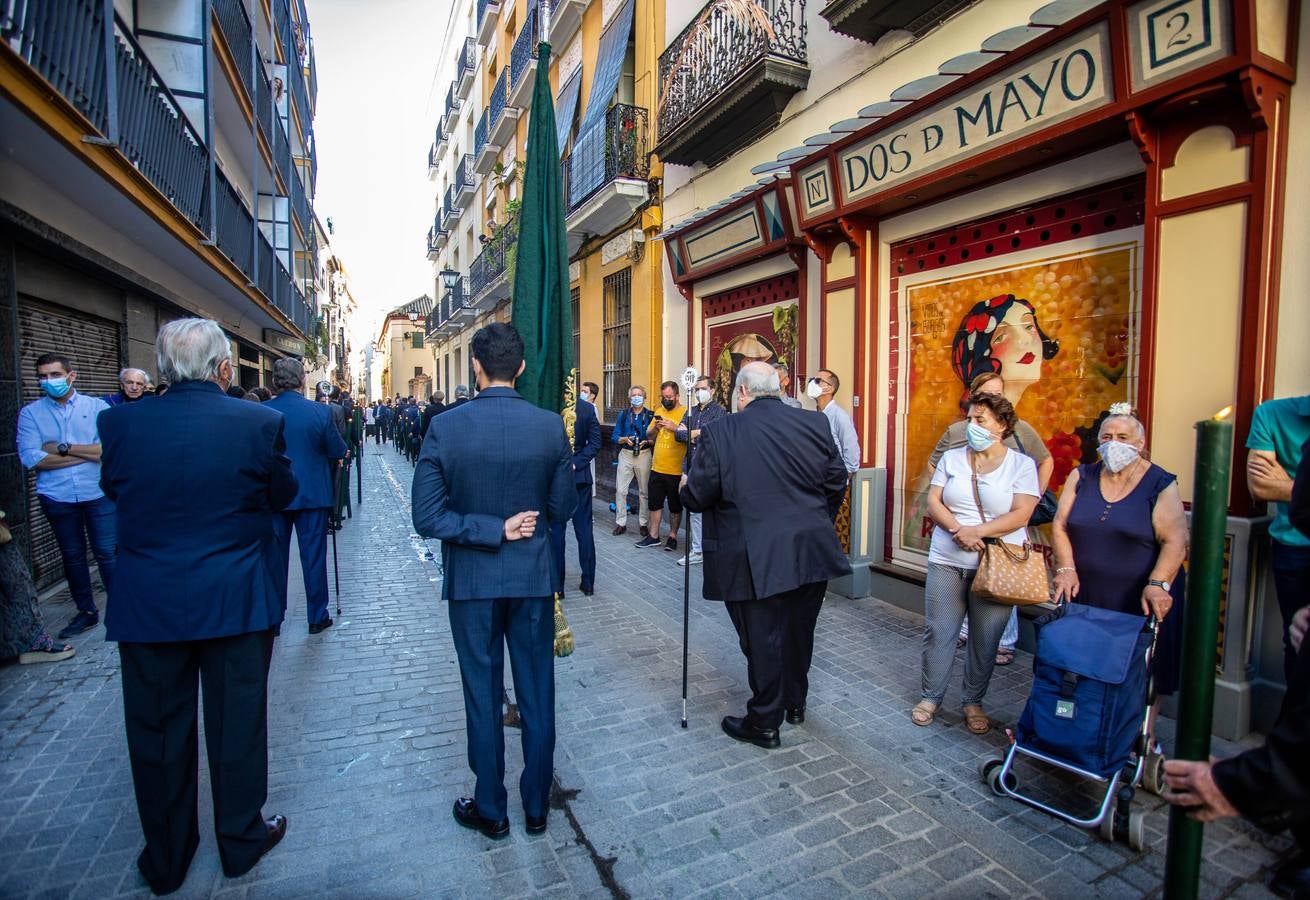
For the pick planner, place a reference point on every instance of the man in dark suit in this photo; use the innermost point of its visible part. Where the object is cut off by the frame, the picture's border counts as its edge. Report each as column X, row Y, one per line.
column 198, row 480
column 586, row 444
column 487, row 472
column 315, row 446
column 767, row 480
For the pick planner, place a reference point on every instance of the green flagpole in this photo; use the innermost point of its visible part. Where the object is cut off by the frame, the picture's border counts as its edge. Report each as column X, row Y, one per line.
column 540, row 308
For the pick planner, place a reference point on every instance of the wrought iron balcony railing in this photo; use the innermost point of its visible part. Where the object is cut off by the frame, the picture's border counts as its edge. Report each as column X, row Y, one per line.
column 724, row 40
column 235, row 24
column 234, row 226
column 482, row 11
column 524, row 50
column 615, row 148
column 435, row 234
column 468, row 57
column 265, row 114
column 499, row 94
column 441, row 137
column 452, row 103
column 434, row 158
column 480, row 134
column 464, row 173
column 489, row 265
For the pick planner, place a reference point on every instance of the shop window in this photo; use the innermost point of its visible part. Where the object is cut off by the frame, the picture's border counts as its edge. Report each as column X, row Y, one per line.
column 617, row 291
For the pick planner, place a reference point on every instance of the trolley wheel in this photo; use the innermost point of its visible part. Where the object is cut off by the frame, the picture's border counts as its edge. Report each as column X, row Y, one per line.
column 1107, row 823
column 1136, row 830
column 994, row 781
column 1153, row 773
column 986, row 766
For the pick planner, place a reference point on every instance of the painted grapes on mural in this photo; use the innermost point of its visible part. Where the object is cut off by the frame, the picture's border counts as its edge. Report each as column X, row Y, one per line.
column 769, row 335
column 1061, row 331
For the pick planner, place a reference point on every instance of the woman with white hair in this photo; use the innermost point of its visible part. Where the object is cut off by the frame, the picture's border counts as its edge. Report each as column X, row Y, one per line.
column 1120, row 537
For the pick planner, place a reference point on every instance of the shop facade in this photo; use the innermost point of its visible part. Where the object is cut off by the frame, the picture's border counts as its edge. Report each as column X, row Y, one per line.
column 1093, row 202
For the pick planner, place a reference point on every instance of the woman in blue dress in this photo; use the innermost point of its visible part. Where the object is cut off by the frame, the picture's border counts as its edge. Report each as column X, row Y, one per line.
column 1120, row 538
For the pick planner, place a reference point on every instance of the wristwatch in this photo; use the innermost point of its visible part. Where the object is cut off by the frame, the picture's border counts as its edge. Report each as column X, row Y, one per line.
column 1159, row 584
column 63, row 449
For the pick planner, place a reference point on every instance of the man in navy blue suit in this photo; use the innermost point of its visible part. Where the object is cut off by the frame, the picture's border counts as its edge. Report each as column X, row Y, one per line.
column 586, row 444
column 487, row 472
column 314, row 445
column 197, row 478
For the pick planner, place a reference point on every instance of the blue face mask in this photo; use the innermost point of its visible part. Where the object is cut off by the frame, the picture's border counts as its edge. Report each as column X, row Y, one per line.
column 56, row 387
column 979, row 438
column 638, row 401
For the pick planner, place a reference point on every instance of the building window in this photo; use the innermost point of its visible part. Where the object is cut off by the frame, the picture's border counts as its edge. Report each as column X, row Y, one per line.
column 418, row 371
column 618, row 341
column 417, row 338
column 575, row 300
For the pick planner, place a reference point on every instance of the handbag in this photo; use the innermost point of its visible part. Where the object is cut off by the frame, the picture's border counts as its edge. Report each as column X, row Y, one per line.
column 1044, row 512
column 1009, row 574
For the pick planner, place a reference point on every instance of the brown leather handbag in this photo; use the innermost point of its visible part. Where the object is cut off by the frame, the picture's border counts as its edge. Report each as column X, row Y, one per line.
column 1010, row 574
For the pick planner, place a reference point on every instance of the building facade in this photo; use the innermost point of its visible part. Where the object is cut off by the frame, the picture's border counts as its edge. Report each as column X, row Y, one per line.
column 158, row 162
column 402, row 352
column 1088, row 196
column 332, row 346
column 603, row 62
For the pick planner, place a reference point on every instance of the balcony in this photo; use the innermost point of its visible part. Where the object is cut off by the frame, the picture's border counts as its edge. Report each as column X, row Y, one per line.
column 523, row 62
column 437, row 238
column 869, row 20
column 434, row 162
column 605, row 177
column 725, row 80
column 450, row 209
column 458, row 307
column 465, row 182
column 234, row 23
column 504, row 118
column 488, row 276
column 485, row 153
column 466, row 69
column 453, row 104
column 488, row 16
column 564, row 21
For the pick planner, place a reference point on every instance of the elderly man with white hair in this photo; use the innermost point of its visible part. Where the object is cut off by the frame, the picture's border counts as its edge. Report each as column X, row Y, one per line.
column 768, row 479
column 195, row 599
column 132, row 386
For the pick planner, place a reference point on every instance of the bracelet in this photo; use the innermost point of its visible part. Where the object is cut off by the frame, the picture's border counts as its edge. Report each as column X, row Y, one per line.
column 1065, row 569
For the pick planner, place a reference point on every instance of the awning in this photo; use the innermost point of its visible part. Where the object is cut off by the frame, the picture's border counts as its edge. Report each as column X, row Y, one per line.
column 566, row 107
column 609, row 65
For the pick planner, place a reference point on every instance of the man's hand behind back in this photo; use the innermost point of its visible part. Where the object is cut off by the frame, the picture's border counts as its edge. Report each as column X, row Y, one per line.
column 521, row 526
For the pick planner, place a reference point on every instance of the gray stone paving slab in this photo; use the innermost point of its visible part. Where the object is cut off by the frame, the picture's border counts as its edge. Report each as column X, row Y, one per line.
column 366, row 755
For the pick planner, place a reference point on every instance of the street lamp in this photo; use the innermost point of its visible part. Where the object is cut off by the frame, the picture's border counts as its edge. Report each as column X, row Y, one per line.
column 449, row 278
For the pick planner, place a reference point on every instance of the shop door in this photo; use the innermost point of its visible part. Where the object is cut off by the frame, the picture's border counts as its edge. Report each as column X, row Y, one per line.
column 93, row 344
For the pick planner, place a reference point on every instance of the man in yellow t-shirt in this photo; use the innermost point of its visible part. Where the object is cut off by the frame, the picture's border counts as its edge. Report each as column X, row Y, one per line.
column 665, row 468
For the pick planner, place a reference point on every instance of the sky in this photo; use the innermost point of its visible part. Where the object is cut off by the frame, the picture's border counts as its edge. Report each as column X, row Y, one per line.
column 377, row 102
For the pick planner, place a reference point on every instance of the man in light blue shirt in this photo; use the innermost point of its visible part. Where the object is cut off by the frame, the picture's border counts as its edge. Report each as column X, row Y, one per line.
column 59, row 440
column 822, row 389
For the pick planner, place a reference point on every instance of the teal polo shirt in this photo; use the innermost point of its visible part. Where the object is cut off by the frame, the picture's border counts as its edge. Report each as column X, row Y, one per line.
column 1282, row 427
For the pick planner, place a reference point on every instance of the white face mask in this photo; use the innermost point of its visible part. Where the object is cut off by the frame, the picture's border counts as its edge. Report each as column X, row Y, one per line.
column 814, row 390
column 979, row 438
column 1117, row 455
column 703, row 396
column 585, row 396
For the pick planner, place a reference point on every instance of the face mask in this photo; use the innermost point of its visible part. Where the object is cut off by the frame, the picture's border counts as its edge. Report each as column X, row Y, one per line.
column 667, row 403
column 585, row 396
column 637, row 402
column 1117, row 455
column 979, row 438
column 56, row 387
column 703, row 396
column 814, row 390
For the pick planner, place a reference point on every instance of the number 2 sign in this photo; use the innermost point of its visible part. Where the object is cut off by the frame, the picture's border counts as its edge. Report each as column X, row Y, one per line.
column 1173, row 36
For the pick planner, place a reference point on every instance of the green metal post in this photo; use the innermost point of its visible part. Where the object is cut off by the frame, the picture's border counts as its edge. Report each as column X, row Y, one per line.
column 1214, row 450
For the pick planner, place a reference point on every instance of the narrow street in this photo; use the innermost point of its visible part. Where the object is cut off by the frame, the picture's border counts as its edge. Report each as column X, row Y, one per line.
column 367, row 754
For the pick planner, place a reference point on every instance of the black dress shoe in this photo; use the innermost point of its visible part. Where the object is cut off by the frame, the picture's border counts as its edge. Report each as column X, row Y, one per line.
column 796, row 716
column 277, row 829
column 587, row 589
column 738, row 728
column 320, row 626
column 535, row 825
column 466, row 814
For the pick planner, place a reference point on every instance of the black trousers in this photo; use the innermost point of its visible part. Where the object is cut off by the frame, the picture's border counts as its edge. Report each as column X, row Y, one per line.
column 777, row 638
column 159, row 706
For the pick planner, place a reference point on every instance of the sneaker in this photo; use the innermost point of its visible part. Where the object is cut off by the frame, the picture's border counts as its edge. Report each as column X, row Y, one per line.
column 648, row 541
column 671, row 543
column 83, row 621
column 693, row 559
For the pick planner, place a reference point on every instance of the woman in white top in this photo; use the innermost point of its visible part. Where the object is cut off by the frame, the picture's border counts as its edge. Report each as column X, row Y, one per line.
column 1007, row 483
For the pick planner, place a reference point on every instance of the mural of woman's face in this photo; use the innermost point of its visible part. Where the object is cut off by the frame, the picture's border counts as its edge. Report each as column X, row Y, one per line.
column 1017, row 346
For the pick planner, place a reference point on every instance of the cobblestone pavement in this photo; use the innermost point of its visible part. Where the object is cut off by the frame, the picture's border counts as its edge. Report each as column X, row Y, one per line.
column 367, row 755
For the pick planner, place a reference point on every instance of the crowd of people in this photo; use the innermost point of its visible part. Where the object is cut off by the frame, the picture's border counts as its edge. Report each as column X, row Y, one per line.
column 212, row 509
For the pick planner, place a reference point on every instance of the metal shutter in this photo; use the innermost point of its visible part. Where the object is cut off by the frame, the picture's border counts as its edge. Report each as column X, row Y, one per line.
column 93, row 344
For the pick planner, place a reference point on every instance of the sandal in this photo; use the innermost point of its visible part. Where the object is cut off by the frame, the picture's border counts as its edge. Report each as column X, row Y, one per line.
column 1004, row 656
column 976, row 720
column 55, row 653
column 923, row 713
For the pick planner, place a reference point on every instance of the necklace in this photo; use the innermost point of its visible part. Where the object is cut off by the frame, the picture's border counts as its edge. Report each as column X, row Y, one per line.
column 1105, row 513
